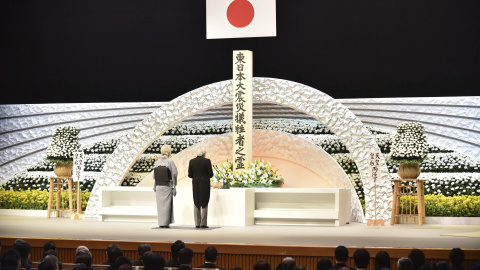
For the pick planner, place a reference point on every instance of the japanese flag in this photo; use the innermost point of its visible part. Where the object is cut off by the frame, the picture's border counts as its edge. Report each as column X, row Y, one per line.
column 241, row 18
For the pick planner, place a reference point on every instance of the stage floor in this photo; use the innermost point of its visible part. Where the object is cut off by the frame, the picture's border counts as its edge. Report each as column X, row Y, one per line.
column 354, row 234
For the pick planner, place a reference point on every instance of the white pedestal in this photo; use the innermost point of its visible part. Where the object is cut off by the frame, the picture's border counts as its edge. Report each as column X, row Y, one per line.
column 233, row 207
column 227, row 207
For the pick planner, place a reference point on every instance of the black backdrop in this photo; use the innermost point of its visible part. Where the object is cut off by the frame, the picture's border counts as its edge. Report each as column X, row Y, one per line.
column 156, row 50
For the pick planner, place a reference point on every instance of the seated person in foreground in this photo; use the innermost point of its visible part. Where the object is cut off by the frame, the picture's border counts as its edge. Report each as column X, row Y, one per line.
column 185, row 256
column 211, row 255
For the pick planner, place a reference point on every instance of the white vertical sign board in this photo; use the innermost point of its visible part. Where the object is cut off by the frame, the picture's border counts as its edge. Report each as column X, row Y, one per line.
column 78, row 158
column 374, row 167
column 242, row 84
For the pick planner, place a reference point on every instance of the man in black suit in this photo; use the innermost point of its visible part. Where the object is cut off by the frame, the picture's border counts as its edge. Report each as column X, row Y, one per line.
column 200, row 170
column 211, row 255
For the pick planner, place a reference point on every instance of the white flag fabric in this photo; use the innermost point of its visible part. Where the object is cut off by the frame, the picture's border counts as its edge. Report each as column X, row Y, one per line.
column 241, row 18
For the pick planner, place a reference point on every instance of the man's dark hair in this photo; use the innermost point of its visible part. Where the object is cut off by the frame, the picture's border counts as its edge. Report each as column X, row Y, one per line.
column 23, row 248
column 282, row 266
column 49, row 252
column 261, row 265
column 442, row 265
column 81, row 266
column 85, row 259
column 382, row 260
column 404, row 264
column 456, row 256
column 290, row 262
column 10, row 258
column 361, row 257
column 51, row 259
column 428, row 266
column 299, row 267
column 120, row 261
column 47, row 266
column 113, row 252
column 176, row 247
column 417, row 257
column 185, row 256
column 211, row 254
column 125, row 267
column 341, row 254
column 49, row 245
column 153, row 261
column 144, row 247
column 324, row 264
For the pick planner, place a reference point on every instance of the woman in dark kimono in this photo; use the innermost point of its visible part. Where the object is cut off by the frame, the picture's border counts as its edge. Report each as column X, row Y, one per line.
column 165, row 175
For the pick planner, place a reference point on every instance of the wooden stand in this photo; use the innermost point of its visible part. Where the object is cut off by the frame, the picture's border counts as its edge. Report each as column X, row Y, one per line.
column 400, row 190
column 56, row 186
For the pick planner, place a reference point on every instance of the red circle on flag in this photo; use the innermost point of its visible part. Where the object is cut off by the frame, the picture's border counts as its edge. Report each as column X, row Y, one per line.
column 240, row 13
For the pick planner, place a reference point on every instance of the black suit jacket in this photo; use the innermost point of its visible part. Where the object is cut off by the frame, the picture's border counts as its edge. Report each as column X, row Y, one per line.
column 200, row 170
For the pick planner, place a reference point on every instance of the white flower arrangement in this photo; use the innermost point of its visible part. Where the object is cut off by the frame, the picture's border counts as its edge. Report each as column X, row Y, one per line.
column 257, row 174
column 63, row 144
column 409, row 144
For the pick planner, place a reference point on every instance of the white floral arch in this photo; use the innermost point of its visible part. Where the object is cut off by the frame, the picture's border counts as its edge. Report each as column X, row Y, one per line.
column 334, row 115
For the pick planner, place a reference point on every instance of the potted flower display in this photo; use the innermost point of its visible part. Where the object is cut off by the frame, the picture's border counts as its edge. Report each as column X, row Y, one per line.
column 409, row 148
column 61, row 148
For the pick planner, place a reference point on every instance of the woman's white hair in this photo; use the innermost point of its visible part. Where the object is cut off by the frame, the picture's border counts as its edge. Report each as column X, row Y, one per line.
column 201, row 151
column 166, row 150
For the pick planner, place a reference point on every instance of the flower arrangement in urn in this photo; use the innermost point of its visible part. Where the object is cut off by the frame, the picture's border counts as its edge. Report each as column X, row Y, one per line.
column 61, row 148
column 409, row 148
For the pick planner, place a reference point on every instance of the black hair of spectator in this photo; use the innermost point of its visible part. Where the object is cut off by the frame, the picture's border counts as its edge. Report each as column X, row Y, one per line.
column 144, row 247
column 50, row 252
column 404, row 264
column 148, row 260
column 176, row 247
column 113, row 252
column 46, row 265
column 153, row 261
column 282, row 266
column 11, row 261
column 23, row 248
column 85, row 259
column 299, row 267
column 324, row 264
column 211, row 254
column 236, row 268
column 49, row 245
column 81, row 266
column 361, row 257
column 261, row 265
column 185, row 256
column 290, row 262
column 475, row 266
column 428, row 266
column 417, row 257
column 119, row 261
column 125, row 267
column 442, row 265
column 456, row 256
column 51, row 259
column 341, row 254
column 382, row 260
